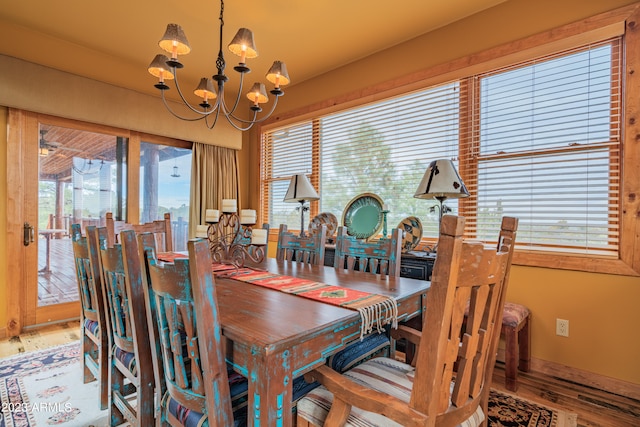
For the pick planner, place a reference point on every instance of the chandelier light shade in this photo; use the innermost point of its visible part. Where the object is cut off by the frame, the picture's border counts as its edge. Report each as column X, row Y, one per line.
column 243, row 45
column 174, row 41
column 300, row 190
column 159, row 68
column 278, row 74
column 441, row 181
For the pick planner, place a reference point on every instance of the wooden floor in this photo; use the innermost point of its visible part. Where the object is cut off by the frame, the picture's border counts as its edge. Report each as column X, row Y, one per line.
column 58, row 285
column 595, row 408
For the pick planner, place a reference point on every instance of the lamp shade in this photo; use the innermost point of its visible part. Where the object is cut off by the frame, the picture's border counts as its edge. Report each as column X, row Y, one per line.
column 159, row 68
column 258, row 94
column 243, row 44
column 278, row 74
column 300, row 189
column 175, row 41
column 205, row 89
column 441, row 180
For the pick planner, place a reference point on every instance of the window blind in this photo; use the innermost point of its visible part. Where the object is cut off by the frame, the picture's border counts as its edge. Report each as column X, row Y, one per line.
column 545, row 148
column 538, row 140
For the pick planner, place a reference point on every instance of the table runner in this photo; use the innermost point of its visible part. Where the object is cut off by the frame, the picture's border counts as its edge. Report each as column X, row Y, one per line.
column 375, row 310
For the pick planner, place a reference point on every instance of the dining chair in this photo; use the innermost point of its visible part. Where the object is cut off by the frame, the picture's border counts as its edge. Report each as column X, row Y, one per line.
column 308, row 249
column 161, row 229
column 180, row 296
column 377, row 257
column 383, row 390
column 195, row 383
column 132, row 384
column 93, row 323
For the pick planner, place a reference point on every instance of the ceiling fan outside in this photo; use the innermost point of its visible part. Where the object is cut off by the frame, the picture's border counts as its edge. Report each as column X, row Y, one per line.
column 47, row 146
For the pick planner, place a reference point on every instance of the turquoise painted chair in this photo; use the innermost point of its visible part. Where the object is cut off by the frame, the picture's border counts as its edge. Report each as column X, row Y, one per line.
column 132, row 384
column 308, row 249
column 376, row 257
column 94, row 331
column 193, row 382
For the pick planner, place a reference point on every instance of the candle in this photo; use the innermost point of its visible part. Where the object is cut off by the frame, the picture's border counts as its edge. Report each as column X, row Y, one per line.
column 259, row 236
column 229, row 205
column 247, row 216
column 385, row 207
column 212, row 215
column 201, row 230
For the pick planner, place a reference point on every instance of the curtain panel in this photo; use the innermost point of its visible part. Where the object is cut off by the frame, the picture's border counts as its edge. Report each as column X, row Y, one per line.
column 214, row 176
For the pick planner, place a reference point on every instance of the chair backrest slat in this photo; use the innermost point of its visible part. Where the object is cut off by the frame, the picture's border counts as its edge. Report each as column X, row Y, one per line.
column 88, row 276
column 378, row 257
column 160, row 228
column 115, row 291
column 308, row 249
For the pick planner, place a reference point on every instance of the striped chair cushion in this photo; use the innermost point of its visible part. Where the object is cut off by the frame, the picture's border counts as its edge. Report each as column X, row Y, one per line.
column 127, row 359
column 238, row 387
column 359, row 351
column 91, row 326
column 383, row 374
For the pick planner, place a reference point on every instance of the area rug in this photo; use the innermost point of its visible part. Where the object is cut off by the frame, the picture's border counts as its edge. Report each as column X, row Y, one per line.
column 45, row 388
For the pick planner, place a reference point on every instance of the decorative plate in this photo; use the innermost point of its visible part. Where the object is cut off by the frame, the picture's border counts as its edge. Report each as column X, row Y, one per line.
column 363, row 216
column 326, row 218
column 412, row 232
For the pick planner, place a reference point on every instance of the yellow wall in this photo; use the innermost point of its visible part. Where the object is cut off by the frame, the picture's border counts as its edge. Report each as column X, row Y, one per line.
column 601, row 308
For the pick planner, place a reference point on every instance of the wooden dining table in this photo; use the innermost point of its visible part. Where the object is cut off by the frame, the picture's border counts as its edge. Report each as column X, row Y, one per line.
column 273, row 337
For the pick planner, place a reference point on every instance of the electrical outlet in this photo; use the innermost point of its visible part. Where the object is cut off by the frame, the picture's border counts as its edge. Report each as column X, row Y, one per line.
column 562, row 327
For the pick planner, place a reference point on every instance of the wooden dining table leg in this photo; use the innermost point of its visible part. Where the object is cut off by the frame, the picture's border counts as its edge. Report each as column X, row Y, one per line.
column 270, row 389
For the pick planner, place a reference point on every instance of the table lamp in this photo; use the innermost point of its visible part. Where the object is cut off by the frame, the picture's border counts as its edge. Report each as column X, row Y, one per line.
column 300, row 190
column 441, row 181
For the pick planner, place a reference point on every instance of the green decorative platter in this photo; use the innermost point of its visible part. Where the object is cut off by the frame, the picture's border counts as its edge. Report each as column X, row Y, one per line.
column 363, row 216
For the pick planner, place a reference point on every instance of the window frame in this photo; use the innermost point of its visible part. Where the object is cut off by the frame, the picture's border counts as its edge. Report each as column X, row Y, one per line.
column 610, row 24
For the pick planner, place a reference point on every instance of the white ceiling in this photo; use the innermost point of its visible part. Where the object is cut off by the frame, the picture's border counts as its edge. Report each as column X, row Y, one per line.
column 114, row 41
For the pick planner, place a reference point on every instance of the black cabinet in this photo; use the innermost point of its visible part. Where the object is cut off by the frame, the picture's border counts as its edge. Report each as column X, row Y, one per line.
column 415, row 265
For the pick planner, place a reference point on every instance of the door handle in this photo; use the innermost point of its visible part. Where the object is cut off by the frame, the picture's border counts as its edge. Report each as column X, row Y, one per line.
column 28, row 233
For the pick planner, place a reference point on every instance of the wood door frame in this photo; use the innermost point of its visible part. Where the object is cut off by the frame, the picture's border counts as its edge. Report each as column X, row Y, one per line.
column 22, row 206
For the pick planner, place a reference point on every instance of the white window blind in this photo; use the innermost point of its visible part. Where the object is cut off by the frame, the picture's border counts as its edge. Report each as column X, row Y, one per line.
column 285, row 152
column 546, row 149
column 538, row 140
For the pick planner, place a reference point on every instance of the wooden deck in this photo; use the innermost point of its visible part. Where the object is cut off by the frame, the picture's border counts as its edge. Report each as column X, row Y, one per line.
column 59, row 285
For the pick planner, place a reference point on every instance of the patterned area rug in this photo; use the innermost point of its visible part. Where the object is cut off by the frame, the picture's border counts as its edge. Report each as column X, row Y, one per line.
column 45, row 388
column 509, row 411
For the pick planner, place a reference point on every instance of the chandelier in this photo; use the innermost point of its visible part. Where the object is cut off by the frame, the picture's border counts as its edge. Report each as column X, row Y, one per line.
column 213, row 102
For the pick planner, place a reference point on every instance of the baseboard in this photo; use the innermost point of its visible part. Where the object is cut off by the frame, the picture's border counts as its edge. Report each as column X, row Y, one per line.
column 586, row 378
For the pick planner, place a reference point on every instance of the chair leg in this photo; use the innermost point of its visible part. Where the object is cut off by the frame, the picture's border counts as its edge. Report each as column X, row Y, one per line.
column 87, row 349
column 145, row 411
column 511, row 357
column 524, row 341
column 116, row 417
column 104, row 365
